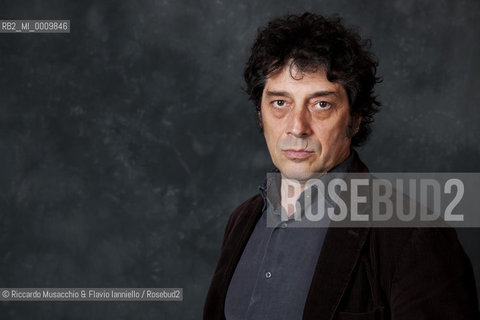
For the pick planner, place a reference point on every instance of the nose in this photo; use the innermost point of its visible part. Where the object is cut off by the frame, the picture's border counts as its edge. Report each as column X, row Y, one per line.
column 299, row 123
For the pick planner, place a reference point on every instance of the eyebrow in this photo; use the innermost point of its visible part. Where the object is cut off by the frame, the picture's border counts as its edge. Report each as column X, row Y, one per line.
column 310, row 96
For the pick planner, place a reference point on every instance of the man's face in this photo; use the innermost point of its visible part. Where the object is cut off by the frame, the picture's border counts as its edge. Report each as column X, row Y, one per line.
column 305, row 122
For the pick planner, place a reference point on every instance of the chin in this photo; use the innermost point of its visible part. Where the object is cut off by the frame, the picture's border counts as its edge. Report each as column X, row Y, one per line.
column 301, row 174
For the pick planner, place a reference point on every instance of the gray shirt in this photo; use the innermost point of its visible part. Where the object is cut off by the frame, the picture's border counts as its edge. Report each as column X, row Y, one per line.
column 273, row 276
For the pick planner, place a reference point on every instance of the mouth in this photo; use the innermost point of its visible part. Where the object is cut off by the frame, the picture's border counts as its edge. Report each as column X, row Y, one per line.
column 297, row 154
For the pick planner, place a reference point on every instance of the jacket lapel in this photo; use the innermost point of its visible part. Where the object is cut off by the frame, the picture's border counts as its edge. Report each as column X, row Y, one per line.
column 241, row 232
column 335, row 265
column 236, row 239
column 340, row 253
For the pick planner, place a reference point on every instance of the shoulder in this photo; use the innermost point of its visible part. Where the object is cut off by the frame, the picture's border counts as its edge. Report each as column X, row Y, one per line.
column 404, row 236
column 249, row 210
column 252, row 203
column 416, row 253
column 425, row 263
column 435, row 240
column 440, row 243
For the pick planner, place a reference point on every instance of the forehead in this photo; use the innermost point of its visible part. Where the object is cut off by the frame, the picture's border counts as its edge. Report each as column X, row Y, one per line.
column 295, row 81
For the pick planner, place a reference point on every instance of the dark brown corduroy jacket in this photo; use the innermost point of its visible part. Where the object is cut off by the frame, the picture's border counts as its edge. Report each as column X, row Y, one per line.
column 366, row 273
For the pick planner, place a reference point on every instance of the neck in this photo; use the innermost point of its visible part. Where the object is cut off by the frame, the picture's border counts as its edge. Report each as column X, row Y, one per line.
column 290, row 191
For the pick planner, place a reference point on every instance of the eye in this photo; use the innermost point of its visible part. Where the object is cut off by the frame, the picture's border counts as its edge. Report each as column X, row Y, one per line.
column 323, row 105
column 279, row 104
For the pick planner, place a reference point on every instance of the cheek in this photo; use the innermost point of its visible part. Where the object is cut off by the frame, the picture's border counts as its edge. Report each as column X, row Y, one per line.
column 271, row 138
column 333, row 135
column 330, row 132
column 270, row 131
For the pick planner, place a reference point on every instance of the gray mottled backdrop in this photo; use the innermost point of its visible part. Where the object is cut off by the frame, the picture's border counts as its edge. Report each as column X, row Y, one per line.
column 125, row 144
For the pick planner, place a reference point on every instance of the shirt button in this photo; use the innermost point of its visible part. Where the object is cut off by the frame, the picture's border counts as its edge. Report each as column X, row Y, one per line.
column 268, row 275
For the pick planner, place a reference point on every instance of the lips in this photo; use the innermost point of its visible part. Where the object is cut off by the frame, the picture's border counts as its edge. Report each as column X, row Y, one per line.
column 297, row 154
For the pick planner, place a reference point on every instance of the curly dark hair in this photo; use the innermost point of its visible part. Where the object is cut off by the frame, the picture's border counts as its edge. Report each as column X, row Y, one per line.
column 311, row 42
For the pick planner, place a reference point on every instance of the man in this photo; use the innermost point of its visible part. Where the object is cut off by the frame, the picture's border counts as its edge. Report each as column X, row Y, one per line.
column 312, row 82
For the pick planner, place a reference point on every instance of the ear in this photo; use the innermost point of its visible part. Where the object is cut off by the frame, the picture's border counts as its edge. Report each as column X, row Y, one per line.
column 259, row 119
column 356, row 123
